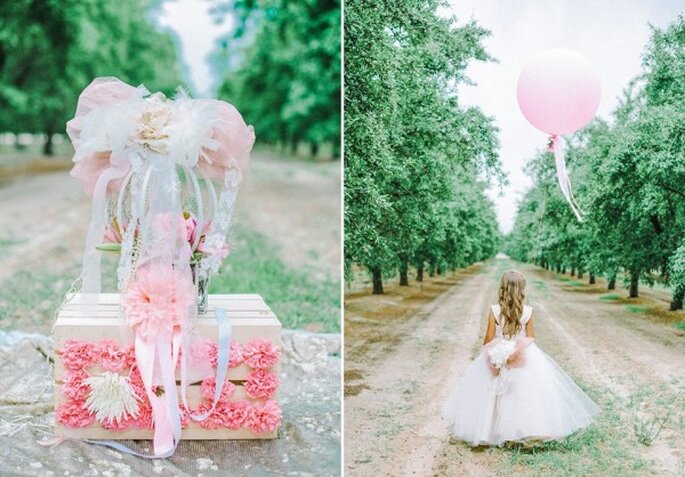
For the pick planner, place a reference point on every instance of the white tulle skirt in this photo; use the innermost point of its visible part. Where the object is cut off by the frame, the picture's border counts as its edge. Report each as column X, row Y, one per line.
column 537, row 401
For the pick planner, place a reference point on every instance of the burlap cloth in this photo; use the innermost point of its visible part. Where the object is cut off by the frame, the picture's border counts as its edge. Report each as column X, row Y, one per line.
column 308, row 442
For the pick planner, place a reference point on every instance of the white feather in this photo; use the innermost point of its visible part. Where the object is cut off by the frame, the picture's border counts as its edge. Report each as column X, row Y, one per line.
column 111, row 397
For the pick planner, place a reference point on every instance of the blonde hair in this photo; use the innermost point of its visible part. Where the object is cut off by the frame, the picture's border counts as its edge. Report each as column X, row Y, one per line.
column 511, row 297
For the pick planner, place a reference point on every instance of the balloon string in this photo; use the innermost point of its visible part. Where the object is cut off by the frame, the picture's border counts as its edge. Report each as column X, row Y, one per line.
column 557, row 147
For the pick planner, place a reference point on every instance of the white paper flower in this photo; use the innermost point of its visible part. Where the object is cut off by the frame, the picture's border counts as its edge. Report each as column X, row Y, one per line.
column 111, row 397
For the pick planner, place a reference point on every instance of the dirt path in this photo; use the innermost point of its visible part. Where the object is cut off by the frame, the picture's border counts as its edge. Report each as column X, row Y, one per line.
column 629, row 362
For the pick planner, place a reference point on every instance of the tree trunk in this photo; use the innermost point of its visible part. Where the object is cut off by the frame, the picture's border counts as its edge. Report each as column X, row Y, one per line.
column 612, row 282
column 580, row 273
column 377, row 281
column 634, row 280
column 48, row 147
column 404, row 268
column 419, row 271
column 314, row 149
column 573, row 272
column 592, row 279
column 677, row 299
column 439, row 269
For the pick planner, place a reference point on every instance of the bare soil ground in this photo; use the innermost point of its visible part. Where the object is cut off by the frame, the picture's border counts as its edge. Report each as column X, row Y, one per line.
column 406, row 349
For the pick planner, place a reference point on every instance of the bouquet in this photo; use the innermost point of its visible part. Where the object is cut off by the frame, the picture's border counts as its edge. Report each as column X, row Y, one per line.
column 504, row 353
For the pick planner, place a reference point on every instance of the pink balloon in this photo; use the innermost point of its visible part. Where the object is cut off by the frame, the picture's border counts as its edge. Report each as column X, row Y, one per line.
column 558, row 91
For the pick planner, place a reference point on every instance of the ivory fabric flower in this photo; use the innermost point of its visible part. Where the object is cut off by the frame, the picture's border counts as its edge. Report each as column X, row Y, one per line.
column 156, row 300
column 264, row 418
column 151, row 132
column 260, row 354
column 261, row 384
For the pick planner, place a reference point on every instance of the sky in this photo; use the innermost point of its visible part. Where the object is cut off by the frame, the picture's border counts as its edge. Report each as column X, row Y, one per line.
column 611, row 34
column 197, row 32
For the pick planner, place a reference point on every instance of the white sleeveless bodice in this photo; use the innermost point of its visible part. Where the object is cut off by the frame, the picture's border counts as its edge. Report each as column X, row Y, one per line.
column 525, row 316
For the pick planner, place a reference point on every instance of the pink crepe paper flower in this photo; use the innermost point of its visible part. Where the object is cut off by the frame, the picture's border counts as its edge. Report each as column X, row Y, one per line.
column 185, row 417
column 74, row 385
column 235, row 357
column 74, row 414
column 112, row 356
column 235, row 139
column 144, row 418
column 79, row 354
column 264, row 418
column 125, row 423
column 208, row 386
column 261, row 384
column 216, row 419
column 260, row 354
column 235, row 413
column 156, row 300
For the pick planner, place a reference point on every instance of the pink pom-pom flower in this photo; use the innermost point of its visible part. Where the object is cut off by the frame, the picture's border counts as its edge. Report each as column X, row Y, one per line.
column 235, row 413
column 216, row 419
column 209, row 385
column 260, row 354
column 235, row 357
column 261, row 384
column 79, row 354
column 74, row 414
column 74, row 385
column 264, row 418
column 112, row 356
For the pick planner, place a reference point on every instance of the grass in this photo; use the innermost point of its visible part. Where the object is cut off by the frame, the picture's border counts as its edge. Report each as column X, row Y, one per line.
column 680, row 325
column 610, row 297
column 298, row 300
column 637, row 308
column 29, row 298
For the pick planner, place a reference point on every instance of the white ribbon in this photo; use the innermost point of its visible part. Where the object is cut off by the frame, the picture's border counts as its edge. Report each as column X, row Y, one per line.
column 562, row 175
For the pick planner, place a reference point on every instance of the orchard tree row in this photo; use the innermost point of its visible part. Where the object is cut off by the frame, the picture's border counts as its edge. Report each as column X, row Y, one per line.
column 281, row 68
column 51, row 49
column 628, row 177
column 415, row 160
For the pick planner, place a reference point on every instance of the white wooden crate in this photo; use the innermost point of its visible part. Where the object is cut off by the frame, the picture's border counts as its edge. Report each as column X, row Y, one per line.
column 99, row 318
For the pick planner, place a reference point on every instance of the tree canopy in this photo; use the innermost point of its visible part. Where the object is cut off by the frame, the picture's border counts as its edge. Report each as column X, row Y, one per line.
column 415, row 160
column 281, row 67
column 50, row 50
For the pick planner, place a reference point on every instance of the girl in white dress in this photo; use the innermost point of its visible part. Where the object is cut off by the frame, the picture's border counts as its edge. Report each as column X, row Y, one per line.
column 513, row 391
